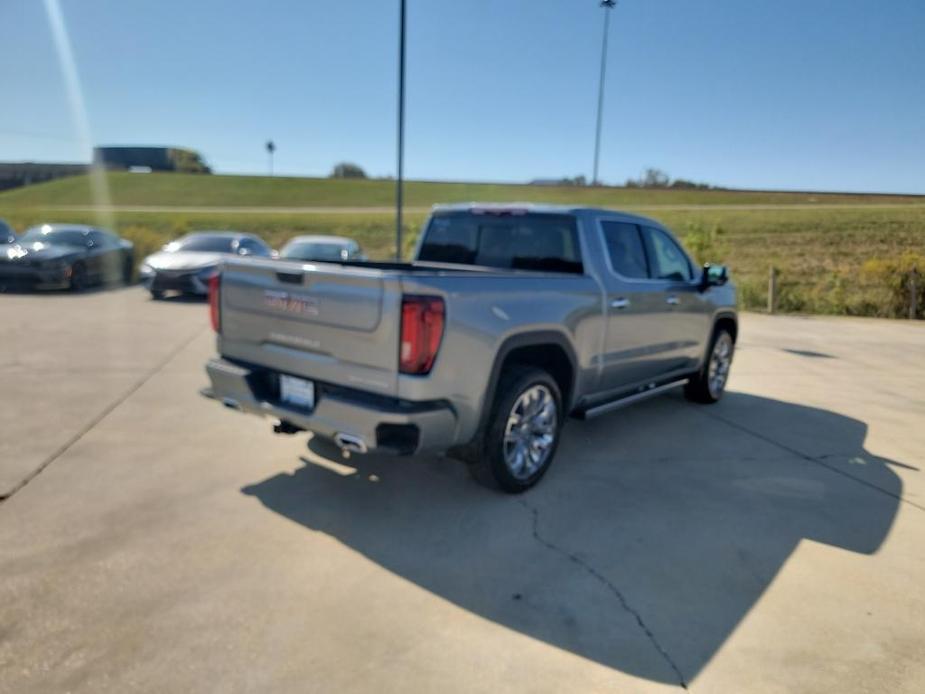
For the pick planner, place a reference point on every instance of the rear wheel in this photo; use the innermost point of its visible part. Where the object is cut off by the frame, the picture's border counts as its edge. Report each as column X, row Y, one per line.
column 709, row 385
column 522, row 433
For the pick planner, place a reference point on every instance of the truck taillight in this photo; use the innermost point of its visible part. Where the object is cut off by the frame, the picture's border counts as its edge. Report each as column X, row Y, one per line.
column 421, row 333
column 215, row 311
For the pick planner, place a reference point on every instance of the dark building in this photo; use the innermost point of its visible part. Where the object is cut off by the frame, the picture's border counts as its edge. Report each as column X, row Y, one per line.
column 153, row 158
column 15, row 174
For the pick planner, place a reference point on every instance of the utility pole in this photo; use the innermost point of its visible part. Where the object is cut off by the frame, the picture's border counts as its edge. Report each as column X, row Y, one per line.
column 401, row 129
column 608, row 5
column 270, row 149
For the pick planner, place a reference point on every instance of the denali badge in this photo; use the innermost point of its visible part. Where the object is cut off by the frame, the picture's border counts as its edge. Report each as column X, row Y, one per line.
column 287, row 303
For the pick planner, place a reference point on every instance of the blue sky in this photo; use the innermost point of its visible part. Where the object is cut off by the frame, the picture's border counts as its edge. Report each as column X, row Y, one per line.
column 794, row 94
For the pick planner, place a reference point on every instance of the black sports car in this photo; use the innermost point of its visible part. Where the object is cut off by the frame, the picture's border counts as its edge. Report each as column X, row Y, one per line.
column 7, row 233
column 65, row 256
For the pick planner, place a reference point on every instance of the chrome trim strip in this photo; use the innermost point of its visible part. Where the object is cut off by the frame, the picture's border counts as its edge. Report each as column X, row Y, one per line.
column 630, row 399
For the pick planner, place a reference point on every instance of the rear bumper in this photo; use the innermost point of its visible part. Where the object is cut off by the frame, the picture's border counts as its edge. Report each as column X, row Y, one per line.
column 385, row 425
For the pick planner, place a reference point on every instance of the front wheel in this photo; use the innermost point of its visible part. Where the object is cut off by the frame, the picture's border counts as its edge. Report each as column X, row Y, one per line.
column 522, row 432
column 78, row 281
column 709, row 385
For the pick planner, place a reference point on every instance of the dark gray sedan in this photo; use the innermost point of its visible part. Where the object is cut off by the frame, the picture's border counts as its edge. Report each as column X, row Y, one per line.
column 65, row 256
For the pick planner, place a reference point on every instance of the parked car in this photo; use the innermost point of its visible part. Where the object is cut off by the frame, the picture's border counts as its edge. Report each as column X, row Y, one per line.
column 65, row 256
column 7, row 233
column 322, row 248
column 186, row 264
column 509, row 319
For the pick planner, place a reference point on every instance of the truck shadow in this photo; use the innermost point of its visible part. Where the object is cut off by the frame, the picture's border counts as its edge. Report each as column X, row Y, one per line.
column 650, row 539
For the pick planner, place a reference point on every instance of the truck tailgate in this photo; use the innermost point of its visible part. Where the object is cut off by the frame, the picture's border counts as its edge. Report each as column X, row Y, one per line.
column 321, row 321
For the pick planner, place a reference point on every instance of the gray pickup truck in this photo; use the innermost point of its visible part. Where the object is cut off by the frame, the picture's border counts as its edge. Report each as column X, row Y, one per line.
column 510, row 318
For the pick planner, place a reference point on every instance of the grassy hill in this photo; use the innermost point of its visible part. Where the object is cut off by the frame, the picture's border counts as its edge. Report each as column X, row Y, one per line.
column 836, row 253
column 187, row 190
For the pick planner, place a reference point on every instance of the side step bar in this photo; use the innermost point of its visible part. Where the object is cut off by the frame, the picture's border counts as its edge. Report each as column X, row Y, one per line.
column 651, row 391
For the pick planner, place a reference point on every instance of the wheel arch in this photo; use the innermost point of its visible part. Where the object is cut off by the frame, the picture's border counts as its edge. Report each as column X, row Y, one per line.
column 549, row 350
column 723, row 319
column 728, row 320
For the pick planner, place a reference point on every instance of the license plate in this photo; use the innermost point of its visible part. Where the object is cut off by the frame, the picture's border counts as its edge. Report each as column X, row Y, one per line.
column 297, row 391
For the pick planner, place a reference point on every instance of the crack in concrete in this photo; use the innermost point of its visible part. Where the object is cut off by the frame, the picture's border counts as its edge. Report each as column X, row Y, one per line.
column 609, row 585
column 61, row 450
column 818, row 460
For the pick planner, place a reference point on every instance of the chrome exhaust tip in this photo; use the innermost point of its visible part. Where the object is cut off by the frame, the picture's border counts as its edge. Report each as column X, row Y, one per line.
column 350, row 443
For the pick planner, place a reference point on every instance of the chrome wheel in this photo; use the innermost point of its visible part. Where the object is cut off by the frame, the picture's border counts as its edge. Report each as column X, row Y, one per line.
column 530, row 432
column 720, row 361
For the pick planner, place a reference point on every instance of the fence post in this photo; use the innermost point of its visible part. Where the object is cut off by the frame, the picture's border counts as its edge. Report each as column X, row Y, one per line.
column 772, row 290
column 913, row 294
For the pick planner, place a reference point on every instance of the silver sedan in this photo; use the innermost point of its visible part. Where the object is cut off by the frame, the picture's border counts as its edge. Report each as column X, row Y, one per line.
column 186, row 264
column 331, row 249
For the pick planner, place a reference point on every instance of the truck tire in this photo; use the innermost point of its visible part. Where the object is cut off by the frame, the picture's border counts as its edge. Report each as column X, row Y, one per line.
column 709, row 385
column 522, row 432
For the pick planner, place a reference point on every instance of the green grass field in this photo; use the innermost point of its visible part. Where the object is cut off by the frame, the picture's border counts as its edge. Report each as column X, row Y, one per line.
column 838, row 254
column 188, row 190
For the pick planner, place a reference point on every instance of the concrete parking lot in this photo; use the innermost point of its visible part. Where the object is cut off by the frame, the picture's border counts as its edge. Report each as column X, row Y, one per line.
column 151, row 540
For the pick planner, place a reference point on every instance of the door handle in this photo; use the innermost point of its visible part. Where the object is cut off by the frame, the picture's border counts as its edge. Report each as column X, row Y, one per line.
column 672, row 300
column 620, row 303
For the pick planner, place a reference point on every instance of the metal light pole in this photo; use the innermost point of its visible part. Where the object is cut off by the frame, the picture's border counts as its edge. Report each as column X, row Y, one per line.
column 270, row 149
column 608, row 5
column 401, row 128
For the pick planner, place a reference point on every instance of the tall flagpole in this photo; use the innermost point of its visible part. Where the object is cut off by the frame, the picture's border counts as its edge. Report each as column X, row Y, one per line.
column 608, row 5
column 399, row 182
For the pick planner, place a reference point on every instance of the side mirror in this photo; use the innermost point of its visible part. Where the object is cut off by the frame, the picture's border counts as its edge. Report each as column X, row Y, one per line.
column 714, row 276
column 243, row 251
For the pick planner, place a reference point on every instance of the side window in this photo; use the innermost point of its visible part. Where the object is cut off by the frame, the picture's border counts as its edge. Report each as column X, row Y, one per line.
column 252, row 247
column 99, row 239
column 624, row 246
column 668, row 261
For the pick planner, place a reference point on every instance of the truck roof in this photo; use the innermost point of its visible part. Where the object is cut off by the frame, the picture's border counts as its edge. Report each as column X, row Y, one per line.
column 538, row 208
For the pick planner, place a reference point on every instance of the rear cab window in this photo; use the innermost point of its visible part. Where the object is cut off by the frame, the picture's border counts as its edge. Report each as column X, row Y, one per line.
column 501, row 239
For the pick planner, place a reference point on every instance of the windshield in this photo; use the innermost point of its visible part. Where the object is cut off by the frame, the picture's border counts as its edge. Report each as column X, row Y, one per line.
column 545, row 242
column 60, row 237
column 314, row 250
column 208, row 243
